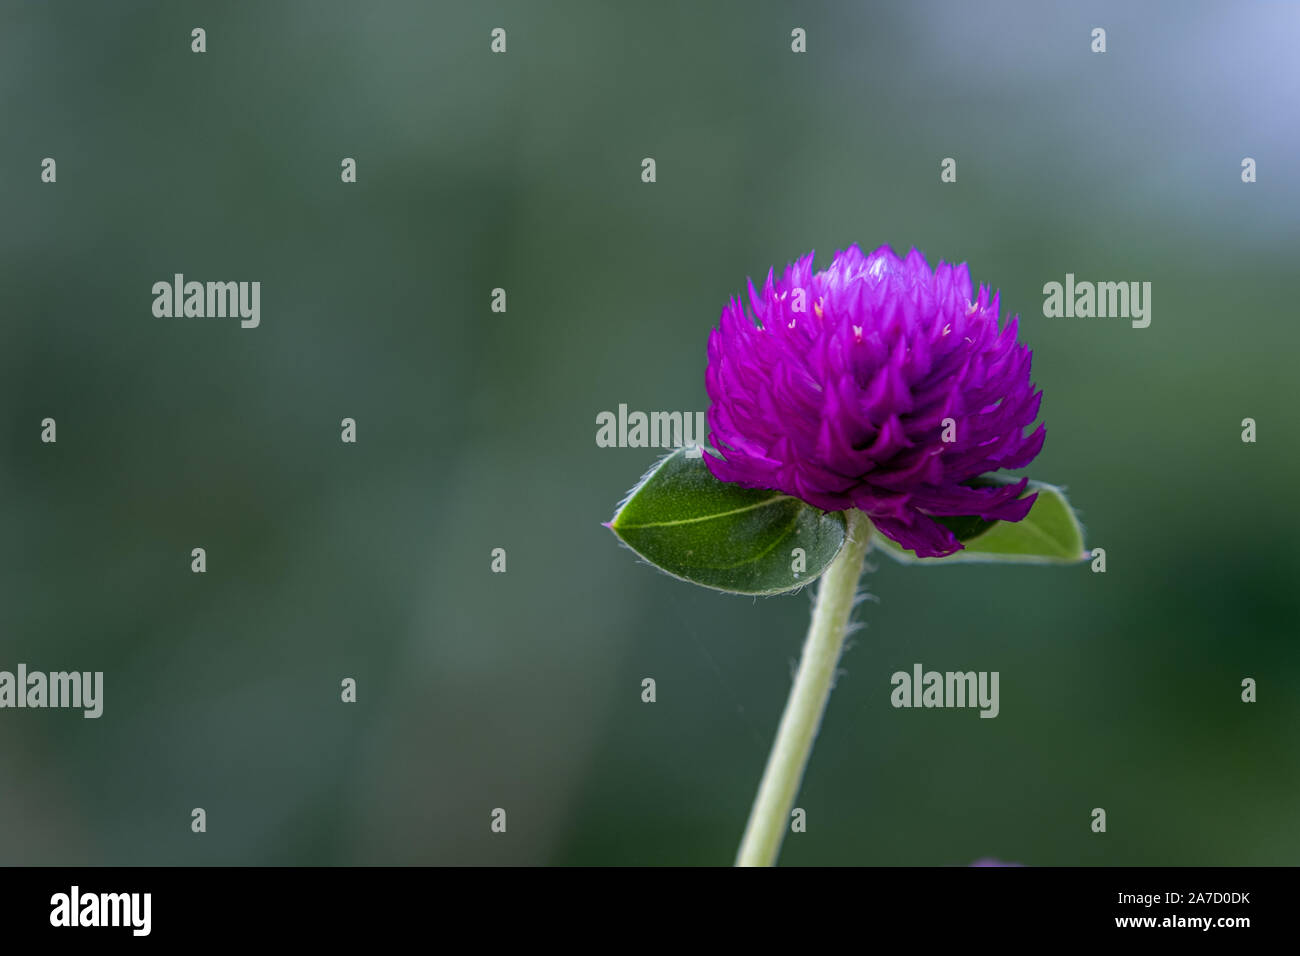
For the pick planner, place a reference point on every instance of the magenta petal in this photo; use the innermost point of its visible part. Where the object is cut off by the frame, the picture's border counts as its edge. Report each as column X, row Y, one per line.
column 840, row 386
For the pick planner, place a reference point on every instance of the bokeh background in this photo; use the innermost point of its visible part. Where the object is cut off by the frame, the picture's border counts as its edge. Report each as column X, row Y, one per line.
column 476, row 430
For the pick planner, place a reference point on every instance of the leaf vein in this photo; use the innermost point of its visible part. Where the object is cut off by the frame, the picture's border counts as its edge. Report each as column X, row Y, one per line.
column 697, row 520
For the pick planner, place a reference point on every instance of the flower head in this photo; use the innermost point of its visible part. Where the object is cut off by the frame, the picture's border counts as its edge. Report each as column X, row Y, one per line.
column 876, row 384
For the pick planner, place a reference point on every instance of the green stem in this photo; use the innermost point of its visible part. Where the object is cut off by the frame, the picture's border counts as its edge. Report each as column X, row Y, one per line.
column 770, row 815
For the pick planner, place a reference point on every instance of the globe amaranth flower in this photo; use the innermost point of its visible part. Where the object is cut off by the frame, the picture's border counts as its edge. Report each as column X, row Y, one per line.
column 876, row 384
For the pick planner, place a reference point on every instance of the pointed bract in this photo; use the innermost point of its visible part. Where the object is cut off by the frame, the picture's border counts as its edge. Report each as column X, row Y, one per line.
column 843, row 402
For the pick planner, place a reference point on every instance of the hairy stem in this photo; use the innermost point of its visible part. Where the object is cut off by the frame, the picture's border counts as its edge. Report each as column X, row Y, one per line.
column 770, row 815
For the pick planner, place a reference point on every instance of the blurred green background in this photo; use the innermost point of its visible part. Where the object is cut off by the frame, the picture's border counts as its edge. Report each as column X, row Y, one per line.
column 476, row 430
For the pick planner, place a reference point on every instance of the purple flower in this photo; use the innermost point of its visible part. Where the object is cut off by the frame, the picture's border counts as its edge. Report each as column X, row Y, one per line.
column 877, row 384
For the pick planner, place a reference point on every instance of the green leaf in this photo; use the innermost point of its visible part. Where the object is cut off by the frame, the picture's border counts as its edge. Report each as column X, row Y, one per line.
column 1049, row 534
column 740, row 540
